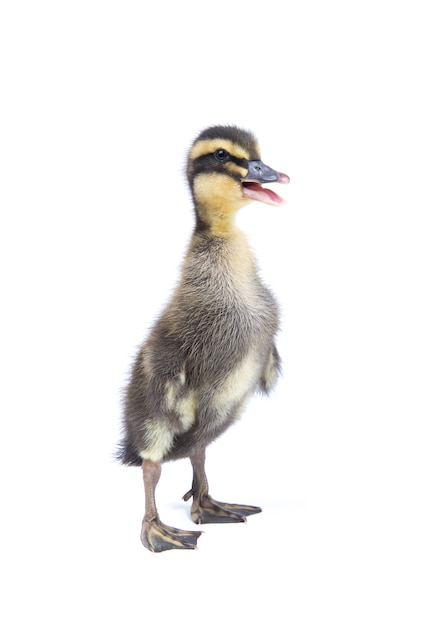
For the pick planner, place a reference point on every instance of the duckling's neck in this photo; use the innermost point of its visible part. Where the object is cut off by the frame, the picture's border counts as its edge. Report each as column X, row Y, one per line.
column 227, row 255
column 216, row 223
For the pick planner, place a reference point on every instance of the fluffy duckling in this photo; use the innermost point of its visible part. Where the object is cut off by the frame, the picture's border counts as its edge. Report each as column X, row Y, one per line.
column 213, row 345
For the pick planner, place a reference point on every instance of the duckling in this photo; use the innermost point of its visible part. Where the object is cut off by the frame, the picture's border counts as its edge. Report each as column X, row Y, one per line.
column 213, row 346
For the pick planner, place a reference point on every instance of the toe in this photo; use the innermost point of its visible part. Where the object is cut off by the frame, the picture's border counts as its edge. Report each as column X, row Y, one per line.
column 158, row 537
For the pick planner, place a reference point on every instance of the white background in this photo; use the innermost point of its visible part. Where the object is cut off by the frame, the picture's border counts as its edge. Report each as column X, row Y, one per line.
column 100, row 101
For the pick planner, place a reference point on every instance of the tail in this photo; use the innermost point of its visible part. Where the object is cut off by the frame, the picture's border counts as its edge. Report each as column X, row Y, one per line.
column 126, row 453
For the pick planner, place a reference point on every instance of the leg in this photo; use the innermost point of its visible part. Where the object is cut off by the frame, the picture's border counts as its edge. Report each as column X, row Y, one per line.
column 206, row 510
column 155, row 535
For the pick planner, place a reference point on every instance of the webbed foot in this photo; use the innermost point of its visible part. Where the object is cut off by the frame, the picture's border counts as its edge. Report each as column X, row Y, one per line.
column 158, row 537
column 206, row 510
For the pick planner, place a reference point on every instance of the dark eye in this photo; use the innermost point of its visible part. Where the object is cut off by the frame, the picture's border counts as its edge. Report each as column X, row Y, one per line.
column 221, row 155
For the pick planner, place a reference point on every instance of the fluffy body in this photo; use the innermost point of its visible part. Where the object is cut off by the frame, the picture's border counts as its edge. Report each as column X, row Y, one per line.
column 211, row 348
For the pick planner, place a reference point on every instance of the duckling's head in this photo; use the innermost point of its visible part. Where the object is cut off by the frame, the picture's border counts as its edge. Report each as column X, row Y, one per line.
column 225, row 172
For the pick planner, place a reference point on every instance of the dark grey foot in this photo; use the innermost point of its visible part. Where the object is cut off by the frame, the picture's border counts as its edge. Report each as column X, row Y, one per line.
column 159, row 537
column 206, row 510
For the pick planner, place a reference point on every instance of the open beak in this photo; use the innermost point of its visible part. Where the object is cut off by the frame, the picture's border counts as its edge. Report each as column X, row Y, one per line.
column 259, row 173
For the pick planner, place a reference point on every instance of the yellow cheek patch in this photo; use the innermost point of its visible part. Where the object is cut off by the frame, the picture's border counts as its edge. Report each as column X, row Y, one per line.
column 218, row 198
column 208, row 146
column 218, row 191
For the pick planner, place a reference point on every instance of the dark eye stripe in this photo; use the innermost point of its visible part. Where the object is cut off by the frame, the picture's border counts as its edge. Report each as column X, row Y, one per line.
column 240, row 162
column 207, row 163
